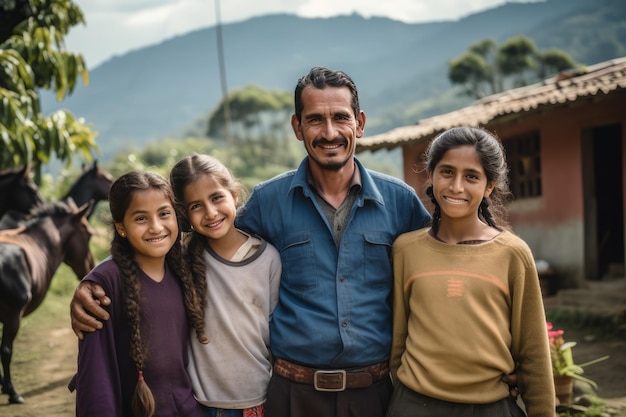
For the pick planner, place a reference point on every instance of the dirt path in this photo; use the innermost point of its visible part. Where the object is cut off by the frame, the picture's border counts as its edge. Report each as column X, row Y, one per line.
column 45, row 360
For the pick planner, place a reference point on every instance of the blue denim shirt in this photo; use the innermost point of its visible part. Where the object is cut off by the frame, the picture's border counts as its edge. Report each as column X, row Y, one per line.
column 334, row 307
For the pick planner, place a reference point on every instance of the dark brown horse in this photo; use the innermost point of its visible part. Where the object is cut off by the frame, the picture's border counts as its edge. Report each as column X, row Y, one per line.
column 17, row 191
column 29, row 257
column 93, row 184
column 18, row 194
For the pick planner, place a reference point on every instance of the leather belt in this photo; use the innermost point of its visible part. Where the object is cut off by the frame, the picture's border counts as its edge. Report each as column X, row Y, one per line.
column 333, row 380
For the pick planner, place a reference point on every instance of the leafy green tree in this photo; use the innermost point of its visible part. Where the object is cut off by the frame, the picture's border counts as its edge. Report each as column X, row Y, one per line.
column 32, row 57
column 487, row 68
column 553, row 61
column 263, row 142
column 516, row 58
column 254, row 112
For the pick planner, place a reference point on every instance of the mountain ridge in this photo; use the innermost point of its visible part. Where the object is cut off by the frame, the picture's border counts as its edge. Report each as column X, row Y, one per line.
column 152, row 92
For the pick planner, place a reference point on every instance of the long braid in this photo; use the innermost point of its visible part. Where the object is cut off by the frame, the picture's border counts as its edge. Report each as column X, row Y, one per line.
column 142, row 404
column 121, row 197
column 437, row 210
column 197, row 266
column 193, row 301
column 183, row 173
column 485, row 213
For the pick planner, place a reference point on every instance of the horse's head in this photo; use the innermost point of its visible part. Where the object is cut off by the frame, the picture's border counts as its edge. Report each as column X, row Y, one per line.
column 101, row 182
column 18, row 191
column 75, row 235
column 93, row 184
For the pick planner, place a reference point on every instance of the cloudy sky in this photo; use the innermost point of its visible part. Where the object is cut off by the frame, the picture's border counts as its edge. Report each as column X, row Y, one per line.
column 115, row 27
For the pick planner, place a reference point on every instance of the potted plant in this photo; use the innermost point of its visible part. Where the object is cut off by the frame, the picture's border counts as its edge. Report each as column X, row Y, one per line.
column 564, row 370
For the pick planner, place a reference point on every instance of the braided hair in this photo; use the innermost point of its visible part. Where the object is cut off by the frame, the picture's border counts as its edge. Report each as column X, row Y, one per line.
column 120, row 198
column 185, row 172
column 492, row 158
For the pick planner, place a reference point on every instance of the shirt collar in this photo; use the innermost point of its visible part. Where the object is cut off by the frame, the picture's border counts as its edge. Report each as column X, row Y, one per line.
column 361, row 177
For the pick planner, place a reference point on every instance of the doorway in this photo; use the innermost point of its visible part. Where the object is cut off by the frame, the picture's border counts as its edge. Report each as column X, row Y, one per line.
column 606, row 144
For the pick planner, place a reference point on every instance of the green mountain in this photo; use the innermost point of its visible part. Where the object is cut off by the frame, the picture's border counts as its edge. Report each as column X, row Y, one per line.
column 400, row 69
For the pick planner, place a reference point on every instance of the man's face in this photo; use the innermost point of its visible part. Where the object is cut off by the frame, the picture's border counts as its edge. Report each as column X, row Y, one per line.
column 328, row 127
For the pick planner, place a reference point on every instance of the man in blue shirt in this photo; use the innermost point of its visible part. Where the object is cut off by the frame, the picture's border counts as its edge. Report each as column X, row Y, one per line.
column 333, row 222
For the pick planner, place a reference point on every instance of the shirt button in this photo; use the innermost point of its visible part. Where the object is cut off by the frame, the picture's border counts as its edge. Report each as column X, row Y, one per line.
column 344, row 324
column 342, row 279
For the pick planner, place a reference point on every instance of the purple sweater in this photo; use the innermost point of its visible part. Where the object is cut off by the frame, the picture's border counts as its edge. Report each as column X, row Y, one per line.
column 107, row 376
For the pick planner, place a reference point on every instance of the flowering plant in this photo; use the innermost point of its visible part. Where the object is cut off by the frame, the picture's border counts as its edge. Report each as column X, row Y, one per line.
column 563, row 360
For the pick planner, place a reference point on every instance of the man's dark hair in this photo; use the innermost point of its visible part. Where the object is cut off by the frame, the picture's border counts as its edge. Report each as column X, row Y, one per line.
column 321, row 77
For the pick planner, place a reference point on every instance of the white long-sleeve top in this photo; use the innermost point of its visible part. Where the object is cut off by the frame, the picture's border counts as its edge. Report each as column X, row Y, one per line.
column 233, row 370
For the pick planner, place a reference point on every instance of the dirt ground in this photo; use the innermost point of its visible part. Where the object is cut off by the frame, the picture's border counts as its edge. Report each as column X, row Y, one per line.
column 45, row 361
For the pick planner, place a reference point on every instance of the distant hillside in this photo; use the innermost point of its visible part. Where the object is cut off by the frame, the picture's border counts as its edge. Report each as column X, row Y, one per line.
column 400, row 69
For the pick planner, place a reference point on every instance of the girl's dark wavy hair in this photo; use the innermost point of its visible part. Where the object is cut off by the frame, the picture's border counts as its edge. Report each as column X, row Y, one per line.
column 120, row 197
column 491, row 153
column 185, row 172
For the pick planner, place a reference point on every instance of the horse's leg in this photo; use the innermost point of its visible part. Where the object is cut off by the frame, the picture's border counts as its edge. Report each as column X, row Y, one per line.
column 9, row 331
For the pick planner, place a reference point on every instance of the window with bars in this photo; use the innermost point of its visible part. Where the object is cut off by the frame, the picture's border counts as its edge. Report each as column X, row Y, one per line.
column 524, row 160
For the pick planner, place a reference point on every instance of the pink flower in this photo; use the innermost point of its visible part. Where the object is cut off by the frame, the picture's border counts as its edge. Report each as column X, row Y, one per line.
column 562, row 358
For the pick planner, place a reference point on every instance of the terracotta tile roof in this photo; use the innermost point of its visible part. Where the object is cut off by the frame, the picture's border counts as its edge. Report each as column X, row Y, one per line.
column 599, row 79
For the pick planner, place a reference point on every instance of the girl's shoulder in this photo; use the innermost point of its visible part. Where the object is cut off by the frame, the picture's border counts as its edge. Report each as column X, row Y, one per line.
column 516, row 244
column 509, row 238
column 106, row 273
column 410, row 238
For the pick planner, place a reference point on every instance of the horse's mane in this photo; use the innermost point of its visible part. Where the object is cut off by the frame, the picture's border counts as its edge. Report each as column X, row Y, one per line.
column 48, row 209
column 53, row 208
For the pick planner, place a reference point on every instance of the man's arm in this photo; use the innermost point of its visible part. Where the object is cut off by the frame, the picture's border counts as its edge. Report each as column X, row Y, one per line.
column 85, row 308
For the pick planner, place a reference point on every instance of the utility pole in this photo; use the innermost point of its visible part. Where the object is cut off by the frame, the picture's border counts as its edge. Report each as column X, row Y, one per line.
column 222, row 68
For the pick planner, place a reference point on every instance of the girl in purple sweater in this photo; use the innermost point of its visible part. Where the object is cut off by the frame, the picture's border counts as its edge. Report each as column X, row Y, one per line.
column 136, row 365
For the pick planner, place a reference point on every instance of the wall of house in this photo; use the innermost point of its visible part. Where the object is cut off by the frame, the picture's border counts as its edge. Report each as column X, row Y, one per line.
column 553, row 225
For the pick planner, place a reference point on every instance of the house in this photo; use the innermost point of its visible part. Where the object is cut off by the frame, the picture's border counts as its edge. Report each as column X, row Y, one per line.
column 565, row 140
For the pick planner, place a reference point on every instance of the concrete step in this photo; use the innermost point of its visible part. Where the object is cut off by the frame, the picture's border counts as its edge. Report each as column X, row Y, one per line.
column 605, row 298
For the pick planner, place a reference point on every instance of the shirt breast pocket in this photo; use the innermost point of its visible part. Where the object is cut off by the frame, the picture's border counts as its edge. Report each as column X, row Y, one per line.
column 298, row 262
column 377, row 245
column 377, row 258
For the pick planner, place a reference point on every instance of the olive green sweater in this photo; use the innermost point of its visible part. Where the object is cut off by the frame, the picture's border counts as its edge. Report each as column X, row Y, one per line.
column 466, row 314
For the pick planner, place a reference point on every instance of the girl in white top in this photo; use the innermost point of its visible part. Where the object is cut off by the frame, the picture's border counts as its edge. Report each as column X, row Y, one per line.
column 237, row 276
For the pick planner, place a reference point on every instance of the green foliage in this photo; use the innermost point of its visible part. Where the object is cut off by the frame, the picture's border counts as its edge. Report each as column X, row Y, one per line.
column 516, row 55
column 253, row 111
column 251, row 161
column 473, row 72
column 33, row 56
column 488, row 68
column 554, row 61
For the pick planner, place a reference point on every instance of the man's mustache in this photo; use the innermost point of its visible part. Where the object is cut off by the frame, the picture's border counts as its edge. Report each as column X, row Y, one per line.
column 324, row 141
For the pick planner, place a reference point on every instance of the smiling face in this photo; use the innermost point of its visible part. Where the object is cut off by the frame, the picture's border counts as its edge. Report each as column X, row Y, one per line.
column 150, row 225
column 328, row 126
column 460, row 183
column 211, row 208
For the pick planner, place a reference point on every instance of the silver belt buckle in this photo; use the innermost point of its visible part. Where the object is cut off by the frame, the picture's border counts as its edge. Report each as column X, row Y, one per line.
column 333, row 377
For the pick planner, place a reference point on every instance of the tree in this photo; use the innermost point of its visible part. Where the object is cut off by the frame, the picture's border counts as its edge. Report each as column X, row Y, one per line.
column 32, row 57
column 254, row 111
column 261, row 132
column 487, row 68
